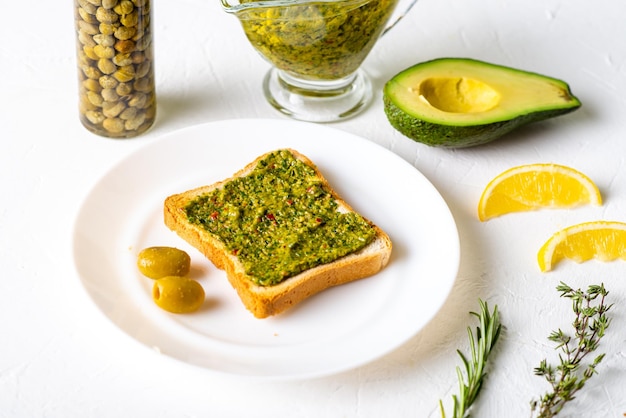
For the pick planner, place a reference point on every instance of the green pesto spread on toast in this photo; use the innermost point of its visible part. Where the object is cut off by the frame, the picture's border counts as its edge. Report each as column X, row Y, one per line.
column 279, row 220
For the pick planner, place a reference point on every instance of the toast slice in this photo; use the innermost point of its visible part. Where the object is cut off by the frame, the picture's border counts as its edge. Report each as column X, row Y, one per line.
column 266, row 296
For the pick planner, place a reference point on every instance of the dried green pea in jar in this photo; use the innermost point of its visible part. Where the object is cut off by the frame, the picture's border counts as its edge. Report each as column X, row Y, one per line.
column 115, row 62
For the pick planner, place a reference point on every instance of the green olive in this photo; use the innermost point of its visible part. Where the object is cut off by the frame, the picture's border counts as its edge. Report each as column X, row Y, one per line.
column 158, row 262
column 178, row 294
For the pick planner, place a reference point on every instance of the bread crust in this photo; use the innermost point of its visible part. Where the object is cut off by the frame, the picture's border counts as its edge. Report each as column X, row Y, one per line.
column 264, row 301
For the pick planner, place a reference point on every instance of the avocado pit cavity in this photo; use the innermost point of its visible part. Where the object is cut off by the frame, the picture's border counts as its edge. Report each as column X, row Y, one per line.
column 458, row 94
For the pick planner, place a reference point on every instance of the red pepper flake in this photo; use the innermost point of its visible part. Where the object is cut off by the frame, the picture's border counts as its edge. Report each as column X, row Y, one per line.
column 235, row 251
column 289, row 202
column 270, row 217
column 318, row 220
column 214, row 216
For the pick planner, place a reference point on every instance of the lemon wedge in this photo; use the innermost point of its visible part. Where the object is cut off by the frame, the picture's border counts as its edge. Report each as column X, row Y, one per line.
column 536, row 186
column 602, row 240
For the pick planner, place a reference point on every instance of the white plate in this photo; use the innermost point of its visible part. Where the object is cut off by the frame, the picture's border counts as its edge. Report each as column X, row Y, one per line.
column 336, row 330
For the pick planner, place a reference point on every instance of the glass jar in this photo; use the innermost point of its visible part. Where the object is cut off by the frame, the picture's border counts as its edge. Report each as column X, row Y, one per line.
column 115, row 60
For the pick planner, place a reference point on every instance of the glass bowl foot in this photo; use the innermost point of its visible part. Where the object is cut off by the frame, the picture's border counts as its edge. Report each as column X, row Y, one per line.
column 326, row 101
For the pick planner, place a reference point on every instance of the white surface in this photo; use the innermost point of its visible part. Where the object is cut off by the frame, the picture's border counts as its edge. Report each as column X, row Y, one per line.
column 337, row 330
column 59, row 357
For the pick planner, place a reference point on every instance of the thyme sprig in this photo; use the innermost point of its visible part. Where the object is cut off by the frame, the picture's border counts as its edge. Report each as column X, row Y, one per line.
column 481, row 344
column 590, row 325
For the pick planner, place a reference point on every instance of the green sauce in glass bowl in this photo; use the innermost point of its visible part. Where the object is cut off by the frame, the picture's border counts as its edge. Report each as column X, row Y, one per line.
column 321, row 40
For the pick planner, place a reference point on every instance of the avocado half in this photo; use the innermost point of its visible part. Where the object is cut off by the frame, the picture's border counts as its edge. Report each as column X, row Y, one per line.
column 460, row 102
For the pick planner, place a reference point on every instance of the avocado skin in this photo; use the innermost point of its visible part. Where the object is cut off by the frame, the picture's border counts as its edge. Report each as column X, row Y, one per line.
column 449, row 136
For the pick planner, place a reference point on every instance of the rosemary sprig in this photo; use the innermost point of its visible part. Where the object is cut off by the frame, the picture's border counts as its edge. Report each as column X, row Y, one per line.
column 481, row 343
column 590, row 325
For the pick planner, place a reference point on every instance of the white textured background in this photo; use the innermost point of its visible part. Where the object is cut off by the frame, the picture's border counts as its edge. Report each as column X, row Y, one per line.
column 60, row 358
